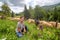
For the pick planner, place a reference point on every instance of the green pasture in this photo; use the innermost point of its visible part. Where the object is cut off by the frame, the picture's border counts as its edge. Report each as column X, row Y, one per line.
column 7, row 32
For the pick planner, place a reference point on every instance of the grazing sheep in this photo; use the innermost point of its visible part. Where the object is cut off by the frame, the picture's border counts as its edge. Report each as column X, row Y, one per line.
column 37, row 22
column 53, row 23
column 40, row 26
column 45, row 23
column 58, row 27
column 31, row 21
column 0, row 17
column 50, row 24
column 14, row 19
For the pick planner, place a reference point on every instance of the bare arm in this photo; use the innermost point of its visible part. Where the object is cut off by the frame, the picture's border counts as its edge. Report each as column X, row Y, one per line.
column 19, row 30
column 18, row 27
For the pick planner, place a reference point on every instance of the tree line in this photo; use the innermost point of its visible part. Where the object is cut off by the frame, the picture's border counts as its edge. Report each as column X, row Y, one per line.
column 6, row 11
column 38, row 13
column 41, row 14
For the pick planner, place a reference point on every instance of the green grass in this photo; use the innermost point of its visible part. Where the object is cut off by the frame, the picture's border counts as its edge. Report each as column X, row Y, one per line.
column 7, row 30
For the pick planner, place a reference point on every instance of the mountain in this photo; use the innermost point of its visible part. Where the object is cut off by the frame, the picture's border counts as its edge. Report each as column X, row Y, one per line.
column 51, row 6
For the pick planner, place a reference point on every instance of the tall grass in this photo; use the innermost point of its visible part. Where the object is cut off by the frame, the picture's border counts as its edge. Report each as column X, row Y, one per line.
column 7, row 30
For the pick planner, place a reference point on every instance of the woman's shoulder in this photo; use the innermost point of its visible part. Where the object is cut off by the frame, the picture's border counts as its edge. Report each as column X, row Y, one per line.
column 18, row 22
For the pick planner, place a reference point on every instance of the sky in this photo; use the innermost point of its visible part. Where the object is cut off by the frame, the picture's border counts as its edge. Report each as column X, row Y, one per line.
column 18, row 5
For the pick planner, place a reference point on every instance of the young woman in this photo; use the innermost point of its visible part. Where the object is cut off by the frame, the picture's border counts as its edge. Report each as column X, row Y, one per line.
column 21, row 28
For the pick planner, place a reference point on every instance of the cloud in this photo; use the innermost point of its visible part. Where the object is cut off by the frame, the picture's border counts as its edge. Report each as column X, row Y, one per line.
column 19, row 4
column 2, row 0
column 16, row 9
column 1, row 3
column 43, row 2
column 15, row 5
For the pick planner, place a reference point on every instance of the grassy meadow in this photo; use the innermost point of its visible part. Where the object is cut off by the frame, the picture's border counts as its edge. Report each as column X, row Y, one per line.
column 10, row 13
column 7, row 32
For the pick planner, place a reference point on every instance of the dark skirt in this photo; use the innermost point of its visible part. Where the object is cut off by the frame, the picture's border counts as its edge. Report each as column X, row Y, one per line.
column 25, row 29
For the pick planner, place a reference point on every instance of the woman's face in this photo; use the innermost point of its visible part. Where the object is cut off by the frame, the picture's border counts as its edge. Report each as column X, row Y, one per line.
column 22, row 19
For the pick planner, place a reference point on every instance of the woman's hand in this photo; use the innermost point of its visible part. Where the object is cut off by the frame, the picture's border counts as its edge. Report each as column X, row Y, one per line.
column 19, row 30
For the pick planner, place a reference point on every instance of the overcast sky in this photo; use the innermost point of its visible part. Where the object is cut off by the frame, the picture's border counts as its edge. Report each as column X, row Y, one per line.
column 18, row 5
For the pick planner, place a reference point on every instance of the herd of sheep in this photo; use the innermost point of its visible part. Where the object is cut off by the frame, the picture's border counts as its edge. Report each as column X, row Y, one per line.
column 45, row 23
column 48, row 24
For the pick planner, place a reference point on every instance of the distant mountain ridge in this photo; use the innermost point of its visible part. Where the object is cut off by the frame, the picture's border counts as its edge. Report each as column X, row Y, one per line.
column 51, row 6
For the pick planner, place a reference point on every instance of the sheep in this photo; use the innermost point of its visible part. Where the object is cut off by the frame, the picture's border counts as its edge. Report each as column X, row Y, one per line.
column 0, row 17
column 42, row 24
column 31, row 21
column 14, row 19
column 53, row 23
column 45, row 23
column 58, row 27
